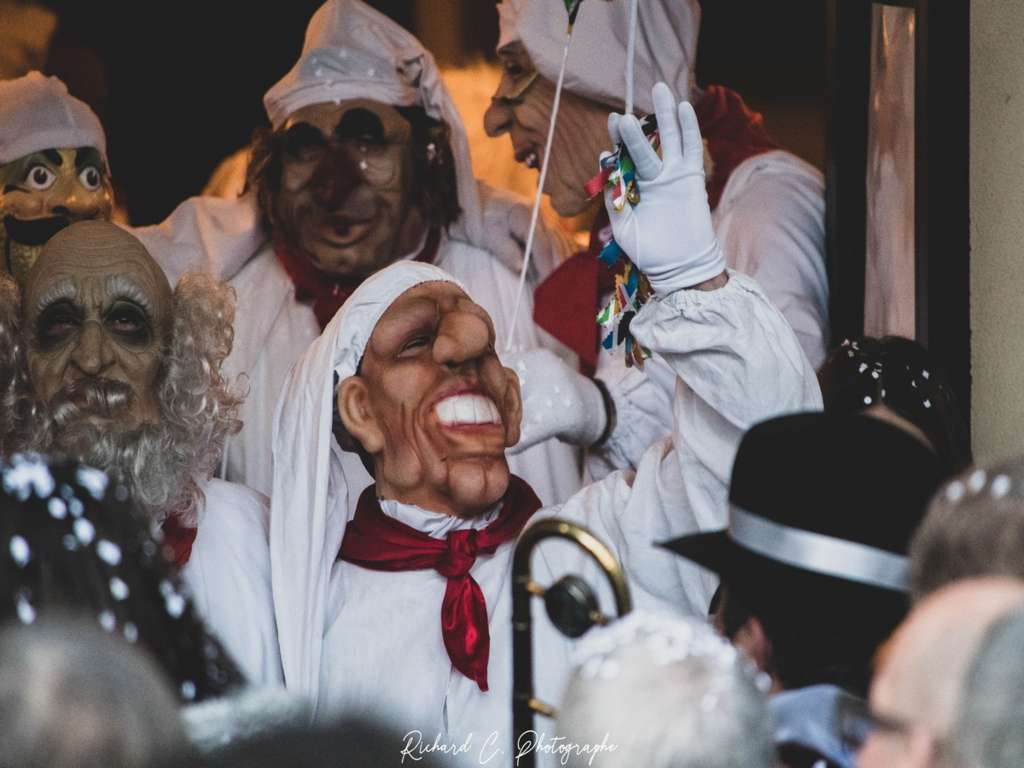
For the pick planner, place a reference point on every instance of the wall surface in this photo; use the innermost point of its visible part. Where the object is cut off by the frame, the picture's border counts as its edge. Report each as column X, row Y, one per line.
column 997, row 227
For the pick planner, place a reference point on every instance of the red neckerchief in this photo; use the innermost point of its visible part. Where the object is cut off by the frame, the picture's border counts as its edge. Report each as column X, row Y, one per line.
column 177, row 540
column 568, row 300
column 328, row 292
column 378, row 542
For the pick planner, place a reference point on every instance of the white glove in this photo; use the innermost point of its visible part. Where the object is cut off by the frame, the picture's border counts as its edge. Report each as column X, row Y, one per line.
column 558, row 401
column 668, row 234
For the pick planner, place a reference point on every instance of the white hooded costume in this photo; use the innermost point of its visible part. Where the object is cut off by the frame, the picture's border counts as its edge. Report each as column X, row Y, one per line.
column 366, row 641
column 352, row 51
column 770, row 219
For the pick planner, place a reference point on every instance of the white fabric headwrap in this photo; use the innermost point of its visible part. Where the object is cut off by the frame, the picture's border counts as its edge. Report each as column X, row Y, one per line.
column 309, row 505
column 354, row 52
column 666, row 45
column 37, row 112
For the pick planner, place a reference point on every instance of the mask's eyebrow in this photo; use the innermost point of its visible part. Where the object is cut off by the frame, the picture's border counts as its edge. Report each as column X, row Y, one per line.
column 62, row 290
column 89, row 156
column 122, row 287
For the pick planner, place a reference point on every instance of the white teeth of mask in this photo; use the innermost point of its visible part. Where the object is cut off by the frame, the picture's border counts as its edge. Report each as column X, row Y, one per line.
column 467, row 409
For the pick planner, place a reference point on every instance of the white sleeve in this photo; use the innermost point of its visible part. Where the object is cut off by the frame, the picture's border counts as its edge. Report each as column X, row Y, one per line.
column 771, row 225
column 642, row 401
column 228, row 574
column 738, row 363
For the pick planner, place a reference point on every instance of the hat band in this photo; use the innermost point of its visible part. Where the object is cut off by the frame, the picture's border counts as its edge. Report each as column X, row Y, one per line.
column 817, row 552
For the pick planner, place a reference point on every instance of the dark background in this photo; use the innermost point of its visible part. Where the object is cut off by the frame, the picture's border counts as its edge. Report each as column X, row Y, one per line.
column 179, row 85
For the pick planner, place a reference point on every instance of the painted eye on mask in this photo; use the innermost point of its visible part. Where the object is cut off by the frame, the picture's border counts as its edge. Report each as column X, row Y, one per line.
column 90, row 178
column 129, row 322
column 415, row 345
column 57, row 322
column 40, row 178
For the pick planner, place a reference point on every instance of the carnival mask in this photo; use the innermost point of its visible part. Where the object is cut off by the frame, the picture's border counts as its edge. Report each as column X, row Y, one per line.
column 346, row 194
column 432, row 403
column 521, row 107
column 42, row 193
column 97, row 312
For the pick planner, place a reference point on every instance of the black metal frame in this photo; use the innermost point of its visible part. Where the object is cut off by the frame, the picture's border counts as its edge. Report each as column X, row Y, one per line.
column 942, row 218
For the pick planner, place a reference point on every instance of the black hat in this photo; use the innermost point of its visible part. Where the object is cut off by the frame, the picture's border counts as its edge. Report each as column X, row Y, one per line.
column 817, row 503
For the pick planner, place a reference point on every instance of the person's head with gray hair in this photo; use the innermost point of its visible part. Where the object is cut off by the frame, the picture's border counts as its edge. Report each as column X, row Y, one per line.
column 73, row 695
column 989, row 731
column 663, row 692
column 974, row 527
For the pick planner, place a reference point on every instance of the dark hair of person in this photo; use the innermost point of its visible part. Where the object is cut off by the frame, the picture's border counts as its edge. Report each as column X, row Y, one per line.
column 71, row 544
column 903, row 375
column 434, row 174
column 825, row 634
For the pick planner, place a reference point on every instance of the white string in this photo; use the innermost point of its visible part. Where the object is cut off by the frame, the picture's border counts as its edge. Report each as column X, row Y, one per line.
column 634, row 6
column 540, row 189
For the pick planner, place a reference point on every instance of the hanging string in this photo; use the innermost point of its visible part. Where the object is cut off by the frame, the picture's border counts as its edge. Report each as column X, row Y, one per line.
column 540, row 190
column 634, row 6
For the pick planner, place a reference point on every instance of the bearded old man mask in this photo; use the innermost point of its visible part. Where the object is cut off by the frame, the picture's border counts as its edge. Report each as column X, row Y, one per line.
column 53, row 167
column 102, row 361
column 349, row 187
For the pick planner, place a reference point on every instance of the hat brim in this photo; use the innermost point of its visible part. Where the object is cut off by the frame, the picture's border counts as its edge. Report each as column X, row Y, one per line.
column 712, row 550
column 717, row 552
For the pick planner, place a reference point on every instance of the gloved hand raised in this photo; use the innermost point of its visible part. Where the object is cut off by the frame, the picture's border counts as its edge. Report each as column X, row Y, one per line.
column 668, row 235
column 558, row 401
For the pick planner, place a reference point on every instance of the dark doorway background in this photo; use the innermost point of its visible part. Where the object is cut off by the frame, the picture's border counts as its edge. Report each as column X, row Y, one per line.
column 179, row 85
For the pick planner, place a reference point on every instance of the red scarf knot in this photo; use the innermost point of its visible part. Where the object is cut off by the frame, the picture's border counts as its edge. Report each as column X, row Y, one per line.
column 461, row 554
column 177, row 540
column 381, row 543
column 328, row 292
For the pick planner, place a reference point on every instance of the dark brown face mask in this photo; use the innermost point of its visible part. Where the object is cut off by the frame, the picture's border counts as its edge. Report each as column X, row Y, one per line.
column 97, row 311
column 44, row 192
column 346, row 194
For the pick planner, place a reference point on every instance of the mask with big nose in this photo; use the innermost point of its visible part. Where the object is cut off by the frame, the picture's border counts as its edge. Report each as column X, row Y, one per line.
column 432, row 403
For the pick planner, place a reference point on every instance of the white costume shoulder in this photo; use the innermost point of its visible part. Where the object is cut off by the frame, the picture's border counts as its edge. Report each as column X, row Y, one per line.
column 228, row 575
column 771, row 224
column 205, row 234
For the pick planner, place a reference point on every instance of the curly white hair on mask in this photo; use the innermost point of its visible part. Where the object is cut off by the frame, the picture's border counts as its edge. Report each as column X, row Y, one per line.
column 164, row 465
column 663, row 692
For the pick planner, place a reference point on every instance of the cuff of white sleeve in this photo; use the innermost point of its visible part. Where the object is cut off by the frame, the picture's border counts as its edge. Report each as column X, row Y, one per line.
column 696, row 271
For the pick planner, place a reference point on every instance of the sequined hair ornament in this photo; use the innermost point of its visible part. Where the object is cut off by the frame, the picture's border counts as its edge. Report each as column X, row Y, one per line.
column 665, row 641
column 70, row 543
column 901, row 374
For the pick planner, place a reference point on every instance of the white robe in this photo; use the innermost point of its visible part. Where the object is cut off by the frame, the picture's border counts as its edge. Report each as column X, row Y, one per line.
column 770, row 221
column 228, row 576
column 272, row 330
column 738, row 362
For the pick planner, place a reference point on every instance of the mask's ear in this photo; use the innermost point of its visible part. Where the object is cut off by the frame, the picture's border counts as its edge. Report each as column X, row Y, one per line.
column 512, row 408
column 357, row 415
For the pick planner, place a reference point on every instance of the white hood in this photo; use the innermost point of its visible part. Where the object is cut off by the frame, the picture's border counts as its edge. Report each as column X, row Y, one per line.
column 666, row 45
column 352, row 51
column 37, row 113
column 309, row 504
